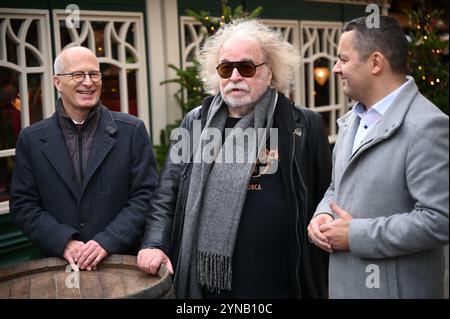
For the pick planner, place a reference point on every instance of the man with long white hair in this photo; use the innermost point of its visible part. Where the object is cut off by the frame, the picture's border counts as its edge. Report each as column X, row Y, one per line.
column 233, row 228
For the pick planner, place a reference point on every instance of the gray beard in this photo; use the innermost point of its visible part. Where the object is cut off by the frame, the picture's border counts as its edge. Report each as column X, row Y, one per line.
column 242, row 107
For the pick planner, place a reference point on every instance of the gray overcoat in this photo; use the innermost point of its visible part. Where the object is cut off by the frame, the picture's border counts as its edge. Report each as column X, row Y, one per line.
column 396, row 187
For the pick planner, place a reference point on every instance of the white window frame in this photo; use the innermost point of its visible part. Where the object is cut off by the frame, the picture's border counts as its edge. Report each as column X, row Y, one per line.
column 310, row 52
column 43, row 55
column 138, row 50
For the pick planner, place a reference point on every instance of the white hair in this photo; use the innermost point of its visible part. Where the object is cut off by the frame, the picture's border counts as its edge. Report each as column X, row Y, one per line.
column 281, row 57
column 60, row 61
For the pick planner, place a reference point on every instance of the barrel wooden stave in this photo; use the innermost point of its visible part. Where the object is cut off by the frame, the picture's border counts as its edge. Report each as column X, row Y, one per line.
column 116, row 277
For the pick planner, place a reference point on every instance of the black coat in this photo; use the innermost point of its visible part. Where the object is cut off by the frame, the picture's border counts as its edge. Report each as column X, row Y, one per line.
column 306, row 171
column 50, row 207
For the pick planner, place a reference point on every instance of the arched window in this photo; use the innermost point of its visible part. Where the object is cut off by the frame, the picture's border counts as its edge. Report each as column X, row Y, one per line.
column 26, row 94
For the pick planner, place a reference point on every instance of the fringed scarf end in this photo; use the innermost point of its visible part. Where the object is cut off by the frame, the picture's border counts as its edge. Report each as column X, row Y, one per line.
column 214, row 271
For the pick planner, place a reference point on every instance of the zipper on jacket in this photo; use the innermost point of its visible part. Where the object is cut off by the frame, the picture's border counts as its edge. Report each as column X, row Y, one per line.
column 80, row 156
column 304, row 189
column 180, row 206
column 297, row 235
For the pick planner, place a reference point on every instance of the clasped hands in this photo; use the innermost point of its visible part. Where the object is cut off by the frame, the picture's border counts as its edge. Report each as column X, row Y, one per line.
column 82, row 255
column 330, row 234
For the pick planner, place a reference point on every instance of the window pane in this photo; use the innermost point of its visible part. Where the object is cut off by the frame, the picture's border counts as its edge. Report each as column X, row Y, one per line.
column 64, row 34
column 9, row 109
column 35, row 97
column 110, row 90
column 6, row 169
column 132, row 102
column 32, row 38
column 306, row 85
column 321, row 82
column 130, row 34
column 99, row 28
column 10, row 50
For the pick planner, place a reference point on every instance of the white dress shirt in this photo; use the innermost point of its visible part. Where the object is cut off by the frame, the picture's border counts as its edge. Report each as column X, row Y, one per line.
column 369, row 118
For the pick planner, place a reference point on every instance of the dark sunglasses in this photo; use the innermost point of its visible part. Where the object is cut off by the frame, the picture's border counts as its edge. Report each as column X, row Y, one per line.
column 246, row 68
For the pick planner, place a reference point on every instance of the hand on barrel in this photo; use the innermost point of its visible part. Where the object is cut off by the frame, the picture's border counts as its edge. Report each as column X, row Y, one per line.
column 84, row 255
column 72, row 252
column 91, row 255
column 150, row 259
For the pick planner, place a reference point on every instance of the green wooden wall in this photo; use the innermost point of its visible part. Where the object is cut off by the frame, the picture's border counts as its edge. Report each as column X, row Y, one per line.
column 14, row 246
column 282, row 9
column 110, row 5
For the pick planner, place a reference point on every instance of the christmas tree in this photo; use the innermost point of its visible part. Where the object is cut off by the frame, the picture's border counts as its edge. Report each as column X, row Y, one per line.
column 428, row 56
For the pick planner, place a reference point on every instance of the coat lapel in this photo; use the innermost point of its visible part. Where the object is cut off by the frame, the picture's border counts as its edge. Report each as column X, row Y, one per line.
column 55, row 150
column 391, row 120
column 104, row 140
column 348, row 125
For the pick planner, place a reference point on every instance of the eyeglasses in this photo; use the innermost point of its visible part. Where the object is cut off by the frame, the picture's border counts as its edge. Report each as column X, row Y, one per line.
column 79, row 76
column 246, row 68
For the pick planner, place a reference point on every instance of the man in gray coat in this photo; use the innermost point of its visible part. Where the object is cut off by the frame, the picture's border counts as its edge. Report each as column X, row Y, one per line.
column 384, row 218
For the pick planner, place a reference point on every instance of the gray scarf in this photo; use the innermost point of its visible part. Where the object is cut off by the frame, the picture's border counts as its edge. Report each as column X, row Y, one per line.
column 216, row 196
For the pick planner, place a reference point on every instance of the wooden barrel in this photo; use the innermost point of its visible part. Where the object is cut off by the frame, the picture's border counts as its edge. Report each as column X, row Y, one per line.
column 118, row 276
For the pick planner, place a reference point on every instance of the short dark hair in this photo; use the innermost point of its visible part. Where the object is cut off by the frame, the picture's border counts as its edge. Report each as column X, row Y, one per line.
column 388, row 38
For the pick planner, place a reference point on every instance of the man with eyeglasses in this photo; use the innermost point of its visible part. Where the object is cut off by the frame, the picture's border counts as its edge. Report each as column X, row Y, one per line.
column 83, row 177
column 236, row 228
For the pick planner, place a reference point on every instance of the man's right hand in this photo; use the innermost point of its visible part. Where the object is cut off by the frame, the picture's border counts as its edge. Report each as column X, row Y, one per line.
column 150, row 259
column 72, row 252
column 314, row 233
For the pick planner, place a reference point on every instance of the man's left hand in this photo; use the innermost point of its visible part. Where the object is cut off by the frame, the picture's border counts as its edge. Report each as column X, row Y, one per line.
column 337, row 231
column 91, row 255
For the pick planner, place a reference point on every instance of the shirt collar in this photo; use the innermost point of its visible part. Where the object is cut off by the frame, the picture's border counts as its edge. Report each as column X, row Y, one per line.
column 359, row 109
column 382, row 105
column 77, row 123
